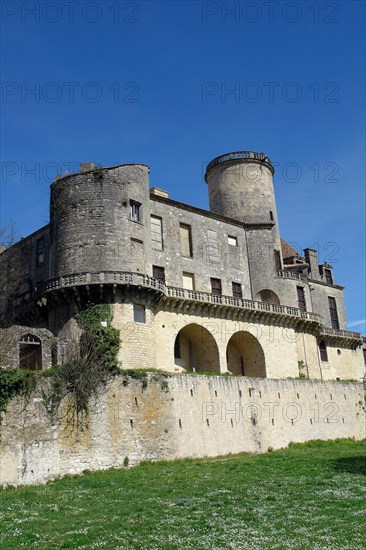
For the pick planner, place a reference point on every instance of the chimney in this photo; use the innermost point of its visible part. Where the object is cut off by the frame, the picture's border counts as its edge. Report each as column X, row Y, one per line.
column 159, row 192
column 311, row 258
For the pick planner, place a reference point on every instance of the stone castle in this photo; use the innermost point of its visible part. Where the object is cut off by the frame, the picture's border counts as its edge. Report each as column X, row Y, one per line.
column 191, row 290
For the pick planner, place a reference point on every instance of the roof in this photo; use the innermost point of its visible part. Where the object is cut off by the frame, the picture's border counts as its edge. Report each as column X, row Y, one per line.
column 288, row 251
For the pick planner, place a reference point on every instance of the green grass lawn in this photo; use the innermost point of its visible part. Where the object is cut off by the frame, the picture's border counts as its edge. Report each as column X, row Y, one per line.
column 309, row 496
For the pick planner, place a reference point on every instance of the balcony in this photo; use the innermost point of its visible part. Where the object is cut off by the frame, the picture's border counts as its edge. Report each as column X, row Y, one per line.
column 175, row 294
column 334, row 335
column 283, row 273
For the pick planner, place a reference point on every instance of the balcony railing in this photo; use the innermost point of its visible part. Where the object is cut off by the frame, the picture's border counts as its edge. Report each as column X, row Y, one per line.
column 139, row 279
column 341, row 333
column 290, row 275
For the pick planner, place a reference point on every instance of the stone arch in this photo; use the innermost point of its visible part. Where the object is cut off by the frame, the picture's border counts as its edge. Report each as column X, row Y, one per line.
column 30, row 352
column 245, row 355
column 268, row 297
column 195, row 349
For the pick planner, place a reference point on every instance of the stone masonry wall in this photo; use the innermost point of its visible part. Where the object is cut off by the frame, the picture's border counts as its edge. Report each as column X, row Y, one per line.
column 174, row 417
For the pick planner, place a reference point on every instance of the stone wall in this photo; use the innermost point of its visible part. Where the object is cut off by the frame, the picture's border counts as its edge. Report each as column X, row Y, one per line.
column 174, row 417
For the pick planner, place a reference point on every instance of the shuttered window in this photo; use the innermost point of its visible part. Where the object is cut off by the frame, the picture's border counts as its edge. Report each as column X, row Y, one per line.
column 237, row 291
column 159, row 273
column 186, row 240
column 333, row 313
column 216, row 287
column 157, row 233
column 301, row 298
column 323, row 351
column 328, row 276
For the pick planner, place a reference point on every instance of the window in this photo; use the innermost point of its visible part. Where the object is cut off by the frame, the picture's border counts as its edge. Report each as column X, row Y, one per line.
column 40, row 248
column 139, row 315
column 232, row 241
column 188, row 280
column 216, row 286
column 186, row 240
column 277, row 259
column 237, row 291
column 328, row 276
column 271, row 215
column 159, row 273
column 323, row 351
column 212, row 246
column 301, row 298
column 157, row 232
column 135, row 211
column 177, row 354
column 333, row 313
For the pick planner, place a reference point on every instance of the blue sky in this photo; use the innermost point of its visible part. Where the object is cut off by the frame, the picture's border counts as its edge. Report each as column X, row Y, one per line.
column 174, row 84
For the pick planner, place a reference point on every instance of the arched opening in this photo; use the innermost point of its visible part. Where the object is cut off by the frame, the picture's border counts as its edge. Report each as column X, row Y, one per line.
column 30, row 352
column 268, row 297
column 245, row 355
column 195, row 350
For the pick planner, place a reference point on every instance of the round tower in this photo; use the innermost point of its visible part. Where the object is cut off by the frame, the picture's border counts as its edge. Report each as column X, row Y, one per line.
column 100, row 220
column 240, row 187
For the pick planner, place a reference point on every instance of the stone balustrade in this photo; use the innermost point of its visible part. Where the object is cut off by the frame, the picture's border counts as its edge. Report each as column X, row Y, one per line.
column 142, row 280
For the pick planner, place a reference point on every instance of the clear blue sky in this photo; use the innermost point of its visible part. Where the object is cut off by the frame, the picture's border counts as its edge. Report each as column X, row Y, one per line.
column 151, row 83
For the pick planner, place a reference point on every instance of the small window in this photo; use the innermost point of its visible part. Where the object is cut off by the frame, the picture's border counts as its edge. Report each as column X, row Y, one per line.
column 177, row 354
column 186, row 240
column 232, row 241
column 157, row 233
column 237, row 290
column 328, row 276
column 333, row 313
column 139, row 315
column 216, row 288
column 40, row 248
column 271, row 215
column 159, row 273
column 188, row 280
column 277, row 259
column 301, row 298
column 323, row 351
column 135, row 211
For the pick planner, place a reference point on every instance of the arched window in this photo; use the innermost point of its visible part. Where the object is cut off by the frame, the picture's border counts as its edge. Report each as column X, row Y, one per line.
column 268, row 297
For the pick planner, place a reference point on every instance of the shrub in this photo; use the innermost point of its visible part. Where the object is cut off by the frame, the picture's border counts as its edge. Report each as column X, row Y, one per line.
column 15, row 382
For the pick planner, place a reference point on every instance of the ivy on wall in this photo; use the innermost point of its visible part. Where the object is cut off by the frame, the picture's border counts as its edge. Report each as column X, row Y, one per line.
column 92, row 365
column 15, row 382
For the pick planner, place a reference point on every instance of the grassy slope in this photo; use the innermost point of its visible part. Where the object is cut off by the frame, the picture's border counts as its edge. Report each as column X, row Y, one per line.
column 308, row 496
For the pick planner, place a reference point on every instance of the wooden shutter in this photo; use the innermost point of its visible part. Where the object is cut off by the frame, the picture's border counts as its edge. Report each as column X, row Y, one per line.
column 301, row 298
column 237, row 291
column 216, row 287
column 333, row 313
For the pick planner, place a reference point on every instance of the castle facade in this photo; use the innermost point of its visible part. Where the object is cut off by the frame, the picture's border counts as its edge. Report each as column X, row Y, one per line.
column 190, row 289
